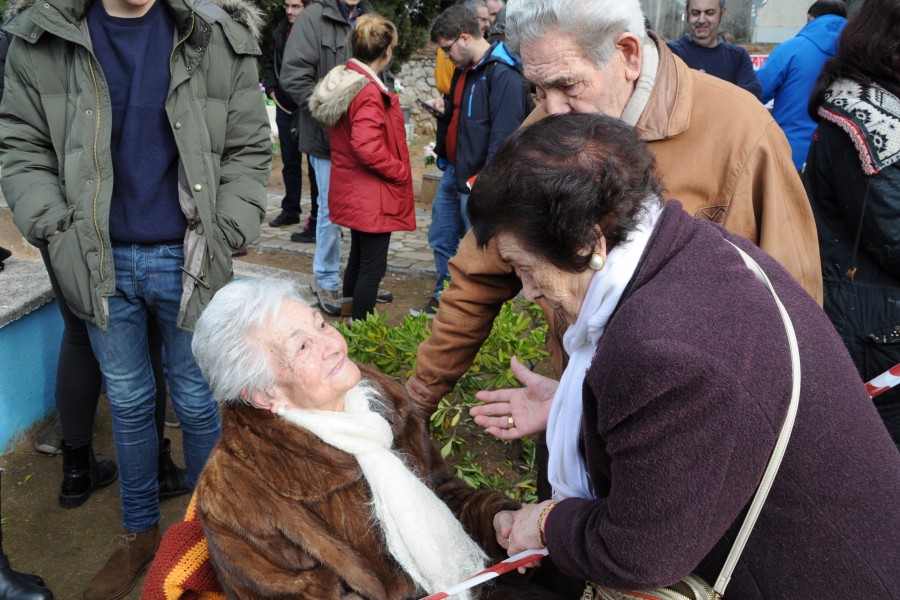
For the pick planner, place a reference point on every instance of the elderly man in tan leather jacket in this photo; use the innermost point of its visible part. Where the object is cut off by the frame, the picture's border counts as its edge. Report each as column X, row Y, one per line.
column 717, row 150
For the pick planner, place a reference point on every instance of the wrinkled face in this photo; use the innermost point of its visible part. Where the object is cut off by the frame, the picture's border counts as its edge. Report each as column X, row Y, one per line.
column 564, row 292
column 494, row 7
column 484, row 21
column 309, row 360
column 704, row 17
column 567, row 81
column 292, row 8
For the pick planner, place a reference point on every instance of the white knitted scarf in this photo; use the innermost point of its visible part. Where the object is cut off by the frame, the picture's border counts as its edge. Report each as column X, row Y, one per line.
column 422, row 534
column 566, row 470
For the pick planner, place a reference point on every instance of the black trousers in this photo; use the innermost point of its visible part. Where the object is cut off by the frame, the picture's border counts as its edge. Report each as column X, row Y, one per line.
column 78, row 376
column 366, row 266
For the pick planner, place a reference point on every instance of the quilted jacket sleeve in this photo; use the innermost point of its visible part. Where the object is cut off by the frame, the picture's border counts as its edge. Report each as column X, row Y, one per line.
column 29, row 157
column 246, row 159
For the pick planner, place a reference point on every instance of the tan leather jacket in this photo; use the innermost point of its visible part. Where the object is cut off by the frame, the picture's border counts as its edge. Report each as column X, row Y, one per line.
column 717, row 150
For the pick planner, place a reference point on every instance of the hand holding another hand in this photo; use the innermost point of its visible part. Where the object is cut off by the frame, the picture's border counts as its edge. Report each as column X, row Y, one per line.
column 517, row 531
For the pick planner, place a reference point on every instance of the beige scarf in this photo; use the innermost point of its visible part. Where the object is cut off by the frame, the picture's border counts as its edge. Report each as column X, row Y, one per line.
column 422, row 534
column 641, row 96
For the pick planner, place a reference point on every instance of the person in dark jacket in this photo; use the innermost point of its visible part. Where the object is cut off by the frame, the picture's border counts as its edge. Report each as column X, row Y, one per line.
column 703, row 49
column 667, row 413
column 789, row 74
column 317, row 44
column 372, row 189
column 853, row 181
column 291, row 157
column 488, row 100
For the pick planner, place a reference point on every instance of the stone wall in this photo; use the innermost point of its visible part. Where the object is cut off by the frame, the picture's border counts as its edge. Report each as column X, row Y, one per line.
column 417, row 76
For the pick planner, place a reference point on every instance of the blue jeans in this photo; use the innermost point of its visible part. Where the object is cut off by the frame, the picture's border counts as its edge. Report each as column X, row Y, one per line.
column 292, row 161
column 327, row 260
column 148, row 281
column 448, row 225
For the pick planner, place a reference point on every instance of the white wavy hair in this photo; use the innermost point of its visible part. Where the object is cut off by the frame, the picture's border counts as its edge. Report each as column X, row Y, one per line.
column 594, row 24
column 234, row 364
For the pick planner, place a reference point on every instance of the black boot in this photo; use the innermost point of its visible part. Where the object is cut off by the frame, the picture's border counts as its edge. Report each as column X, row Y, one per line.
column 173, row 480
column 19, row 586
column 82, row 474
column 14, row 586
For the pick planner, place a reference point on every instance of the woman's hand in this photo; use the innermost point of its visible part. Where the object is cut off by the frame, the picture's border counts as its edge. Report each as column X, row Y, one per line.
column 518, row 530
column 503, row 523
column 527, row 406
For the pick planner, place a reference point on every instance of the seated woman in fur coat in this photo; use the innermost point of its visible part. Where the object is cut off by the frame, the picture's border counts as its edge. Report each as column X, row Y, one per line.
column 324, row 484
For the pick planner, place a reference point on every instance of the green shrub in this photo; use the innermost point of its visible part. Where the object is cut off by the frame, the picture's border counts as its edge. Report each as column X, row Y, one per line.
column 479, row 459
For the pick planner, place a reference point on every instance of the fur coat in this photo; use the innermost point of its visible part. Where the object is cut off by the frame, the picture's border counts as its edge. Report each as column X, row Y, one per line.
column 287, row 515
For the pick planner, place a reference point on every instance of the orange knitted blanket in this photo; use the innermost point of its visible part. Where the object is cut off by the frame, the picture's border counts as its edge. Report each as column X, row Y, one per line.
column 181, row 569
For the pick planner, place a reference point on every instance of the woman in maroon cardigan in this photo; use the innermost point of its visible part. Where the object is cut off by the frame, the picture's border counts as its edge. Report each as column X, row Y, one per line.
column 677, row 386
column 371, row 179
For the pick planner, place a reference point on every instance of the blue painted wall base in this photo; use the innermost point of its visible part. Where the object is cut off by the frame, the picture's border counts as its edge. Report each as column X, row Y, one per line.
column 29, row 352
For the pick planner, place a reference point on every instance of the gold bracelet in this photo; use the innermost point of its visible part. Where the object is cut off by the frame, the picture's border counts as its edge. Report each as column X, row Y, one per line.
column 540, row 523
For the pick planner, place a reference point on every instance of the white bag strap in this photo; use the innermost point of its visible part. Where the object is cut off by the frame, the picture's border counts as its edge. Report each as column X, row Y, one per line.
column 780, row 444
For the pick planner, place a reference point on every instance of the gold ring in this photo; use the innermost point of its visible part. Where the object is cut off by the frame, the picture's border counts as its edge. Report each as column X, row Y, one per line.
column 510, row 422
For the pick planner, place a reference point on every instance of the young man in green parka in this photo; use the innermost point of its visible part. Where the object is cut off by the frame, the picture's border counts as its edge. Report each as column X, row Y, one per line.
column 135, row 147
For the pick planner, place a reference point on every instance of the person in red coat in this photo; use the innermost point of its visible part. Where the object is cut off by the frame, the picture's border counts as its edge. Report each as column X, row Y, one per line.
column 371, row 179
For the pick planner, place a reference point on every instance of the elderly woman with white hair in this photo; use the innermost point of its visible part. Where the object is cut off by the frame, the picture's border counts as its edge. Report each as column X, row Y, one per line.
column 322, row 485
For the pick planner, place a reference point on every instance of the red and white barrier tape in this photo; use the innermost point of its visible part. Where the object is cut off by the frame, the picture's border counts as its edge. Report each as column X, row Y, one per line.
column 513, row 562
column 884, row 382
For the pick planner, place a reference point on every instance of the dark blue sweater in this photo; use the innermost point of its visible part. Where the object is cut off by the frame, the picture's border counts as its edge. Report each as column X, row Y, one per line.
column 134, row 54
column 725, row 61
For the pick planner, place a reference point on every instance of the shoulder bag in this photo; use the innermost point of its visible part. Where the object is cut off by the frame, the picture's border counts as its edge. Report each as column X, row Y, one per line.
column 693, row 587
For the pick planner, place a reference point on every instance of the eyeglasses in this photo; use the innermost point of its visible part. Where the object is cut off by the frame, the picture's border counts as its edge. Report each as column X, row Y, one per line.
column 287, row 6
column 446, row 49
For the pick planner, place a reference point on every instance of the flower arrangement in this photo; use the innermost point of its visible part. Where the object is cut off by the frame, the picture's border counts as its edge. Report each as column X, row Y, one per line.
column 430, row 156
column 266, row 99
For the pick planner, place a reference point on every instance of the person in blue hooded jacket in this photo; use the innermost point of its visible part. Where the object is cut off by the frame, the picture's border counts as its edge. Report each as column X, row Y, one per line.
column 789, row 74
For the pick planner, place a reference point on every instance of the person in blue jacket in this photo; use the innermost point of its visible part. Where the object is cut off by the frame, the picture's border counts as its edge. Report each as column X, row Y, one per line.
column 789, row 74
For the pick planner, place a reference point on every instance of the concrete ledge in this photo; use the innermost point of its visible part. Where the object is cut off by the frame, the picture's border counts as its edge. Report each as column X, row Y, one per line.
column 24, row 287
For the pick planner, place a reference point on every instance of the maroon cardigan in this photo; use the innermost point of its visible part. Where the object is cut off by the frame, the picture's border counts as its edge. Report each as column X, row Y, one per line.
column 682, row 405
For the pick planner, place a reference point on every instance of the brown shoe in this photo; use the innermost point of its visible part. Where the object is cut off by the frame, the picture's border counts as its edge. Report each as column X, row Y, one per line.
column 132, row 554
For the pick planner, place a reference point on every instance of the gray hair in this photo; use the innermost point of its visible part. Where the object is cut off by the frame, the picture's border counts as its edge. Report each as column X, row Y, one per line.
column 234, row 364
column 595, row 24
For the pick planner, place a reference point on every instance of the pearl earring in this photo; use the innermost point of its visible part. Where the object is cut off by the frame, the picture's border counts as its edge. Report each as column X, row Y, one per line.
column 597, row 263
column 280, row 411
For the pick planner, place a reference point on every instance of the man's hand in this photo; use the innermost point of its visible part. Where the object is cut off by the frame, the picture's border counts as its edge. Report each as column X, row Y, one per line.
column 516, row 412
column 437, row 103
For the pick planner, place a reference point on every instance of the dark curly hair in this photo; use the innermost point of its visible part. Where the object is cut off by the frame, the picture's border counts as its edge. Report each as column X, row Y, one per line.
column 551, row 183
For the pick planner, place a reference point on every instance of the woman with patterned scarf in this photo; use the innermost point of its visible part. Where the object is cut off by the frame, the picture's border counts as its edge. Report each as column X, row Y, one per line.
column 853, row 181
